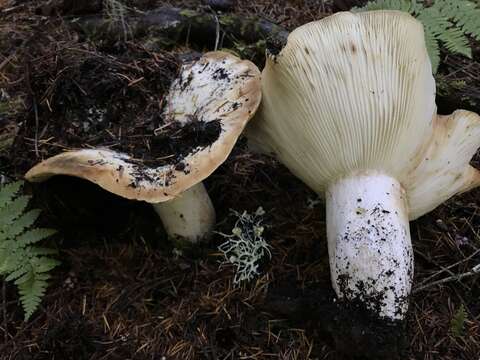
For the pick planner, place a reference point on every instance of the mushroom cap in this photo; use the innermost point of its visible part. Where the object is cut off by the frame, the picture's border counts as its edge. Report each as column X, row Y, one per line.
column 444, row 169
column 219, row 91
column 348, row 93
column 354, row 92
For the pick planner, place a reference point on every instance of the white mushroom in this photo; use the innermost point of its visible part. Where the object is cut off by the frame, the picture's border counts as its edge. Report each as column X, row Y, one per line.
column 219, row 93
column 349, row 107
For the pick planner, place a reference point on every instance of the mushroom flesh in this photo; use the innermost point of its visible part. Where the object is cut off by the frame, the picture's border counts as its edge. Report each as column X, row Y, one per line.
column 349, row 107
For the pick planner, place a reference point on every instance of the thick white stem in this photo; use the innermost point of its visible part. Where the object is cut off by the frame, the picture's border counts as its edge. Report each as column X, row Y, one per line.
column 190, row 216
column 370, row 251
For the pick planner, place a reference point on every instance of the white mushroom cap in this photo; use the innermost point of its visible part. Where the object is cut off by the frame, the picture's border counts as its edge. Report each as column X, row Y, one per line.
column 218, row 87
column 444, row 169
column 355, row 92
column 349, row 107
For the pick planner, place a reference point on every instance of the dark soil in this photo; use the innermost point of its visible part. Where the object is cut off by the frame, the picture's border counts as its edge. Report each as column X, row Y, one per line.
column 84, row 96
column 121, row 292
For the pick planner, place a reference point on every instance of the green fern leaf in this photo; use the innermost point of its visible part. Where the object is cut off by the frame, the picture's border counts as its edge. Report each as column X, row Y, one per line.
column 28, row 276
column 4, row 255
column 44, row 264
column 432, row 49
column 41, row 251
column 8, row 192
column 23, row 222
column 31, row 293
column 17, row 274
column 33, row 236
column 432, row 19
column 445, row 22
column 456, row 42
column 464, row 13
column 12, row 261
column 416, row 7
column 14, row 209
column 21, row 262
column 453, row 37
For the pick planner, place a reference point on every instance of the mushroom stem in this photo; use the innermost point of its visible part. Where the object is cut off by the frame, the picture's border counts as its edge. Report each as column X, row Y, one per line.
column 189, row 217
column 370, row 251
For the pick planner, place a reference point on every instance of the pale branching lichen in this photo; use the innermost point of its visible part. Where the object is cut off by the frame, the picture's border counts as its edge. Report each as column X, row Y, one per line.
column 245, row 247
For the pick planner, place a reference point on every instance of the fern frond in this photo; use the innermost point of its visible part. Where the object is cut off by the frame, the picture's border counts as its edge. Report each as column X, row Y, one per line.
column 14, row 209
column 12, row 259
column 23, row 222
column 464, row 13
column 432, row 49
column 24, row 278
column 20, row 261
column 41, row 251
column 44, row 264
column 31, row 292
column 21, row 271
column 445, row 21
column 433, row 19
column 8, row 192
column 33, row 236
column 456, row 42
column 416, row 7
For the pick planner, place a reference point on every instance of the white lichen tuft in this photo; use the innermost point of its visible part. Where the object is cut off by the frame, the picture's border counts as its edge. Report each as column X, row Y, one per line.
column 245, row 247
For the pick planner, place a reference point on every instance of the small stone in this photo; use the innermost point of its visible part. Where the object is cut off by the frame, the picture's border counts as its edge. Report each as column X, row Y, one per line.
column 4, row 179
column 441, row 224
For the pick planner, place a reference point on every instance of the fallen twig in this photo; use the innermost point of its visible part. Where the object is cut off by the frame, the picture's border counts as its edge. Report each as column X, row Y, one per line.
column 174, row 25
column 475, row 271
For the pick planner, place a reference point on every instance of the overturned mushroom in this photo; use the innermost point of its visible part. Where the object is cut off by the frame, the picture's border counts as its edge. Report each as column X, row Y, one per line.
column 207, row 108
column 349, row 107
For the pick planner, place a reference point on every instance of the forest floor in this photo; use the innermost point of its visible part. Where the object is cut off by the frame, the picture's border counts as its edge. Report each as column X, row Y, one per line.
column 122, row 291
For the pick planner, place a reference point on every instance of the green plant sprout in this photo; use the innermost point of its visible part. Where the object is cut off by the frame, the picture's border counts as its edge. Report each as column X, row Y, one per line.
column 457, row 325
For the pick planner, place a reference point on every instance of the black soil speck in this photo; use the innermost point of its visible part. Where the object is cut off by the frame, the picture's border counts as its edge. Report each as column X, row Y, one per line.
column 179, row 141
column 171, row 146
column 180, row 166
column 220, row 74
column 185, row 82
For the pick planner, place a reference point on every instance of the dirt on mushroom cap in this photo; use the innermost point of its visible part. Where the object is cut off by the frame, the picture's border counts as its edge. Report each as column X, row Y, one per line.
column 218, row 94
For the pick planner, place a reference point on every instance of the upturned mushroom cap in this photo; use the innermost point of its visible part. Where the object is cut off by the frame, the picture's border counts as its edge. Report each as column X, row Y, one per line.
column 445, row 168
column 355, row 92
column 219, row 91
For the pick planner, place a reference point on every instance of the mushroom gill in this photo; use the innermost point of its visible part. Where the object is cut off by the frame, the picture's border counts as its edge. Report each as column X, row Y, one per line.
column 349, row 107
